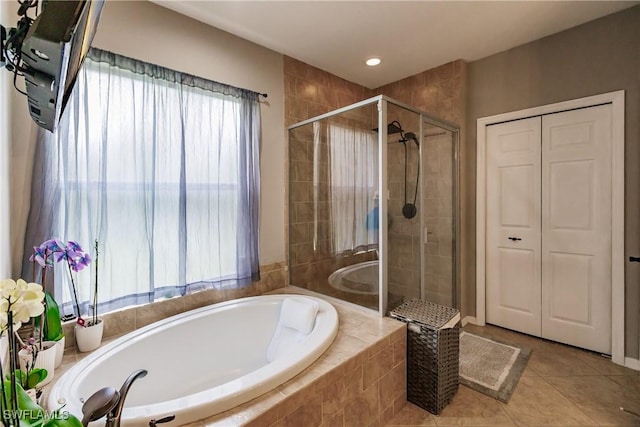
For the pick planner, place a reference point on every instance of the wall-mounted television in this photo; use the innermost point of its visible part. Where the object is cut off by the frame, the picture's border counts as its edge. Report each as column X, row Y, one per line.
column 53, row 51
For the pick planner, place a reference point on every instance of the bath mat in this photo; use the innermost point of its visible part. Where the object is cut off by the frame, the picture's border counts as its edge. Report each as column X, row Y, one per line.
column 491, row 367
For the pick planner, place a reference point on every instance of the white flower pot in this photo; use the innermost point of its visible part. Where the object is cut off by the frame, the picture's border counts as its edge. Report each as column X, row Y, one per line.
column 46, row 359
column 60, row 351
column 88, row 338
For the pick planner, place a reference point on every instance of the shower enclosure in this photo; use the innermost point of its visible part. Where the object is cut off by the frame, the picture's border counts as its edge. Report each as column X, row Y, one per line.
column 373, row 205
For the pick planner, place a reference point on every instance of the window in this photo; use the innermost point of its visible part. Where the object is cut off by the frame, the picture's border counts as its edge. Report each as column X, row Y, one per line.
column 161, row 168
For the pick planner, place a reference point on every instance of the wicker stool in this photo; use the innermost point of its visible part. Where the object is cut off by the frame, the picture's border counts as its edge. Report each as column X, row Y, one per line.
column 433, row 353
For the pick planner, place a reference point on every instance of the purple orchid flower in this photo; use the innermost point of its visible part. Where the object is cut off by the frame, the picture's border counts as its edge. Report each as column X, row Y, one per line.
column 70, row 252
column 82, row 261
column 39, row 255
column 74, row 246
column 54, row 245
column 64, row 255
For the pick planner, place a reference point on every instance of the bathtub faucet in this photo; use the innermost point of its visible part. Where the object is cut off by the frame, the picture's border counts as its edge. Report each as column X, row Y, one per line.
column 113, row 417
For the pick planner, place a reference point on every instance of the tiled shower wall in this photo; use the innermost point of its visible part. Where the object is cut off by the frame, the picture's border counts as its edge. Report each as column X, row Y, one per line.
column 310, row 92
column 438, row 198
column 439, row 92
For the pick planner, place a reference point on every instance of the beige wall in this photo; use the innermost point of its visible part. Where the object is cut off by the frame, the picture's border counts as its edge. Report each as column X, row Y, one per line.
column 597, row 57
column 18, row 132
column 148, row 32
column 5, row 153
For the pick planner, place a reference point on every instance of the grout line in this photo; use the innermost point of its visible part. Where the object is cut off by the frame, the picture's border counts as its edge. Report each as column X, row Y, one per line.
column 568, row 397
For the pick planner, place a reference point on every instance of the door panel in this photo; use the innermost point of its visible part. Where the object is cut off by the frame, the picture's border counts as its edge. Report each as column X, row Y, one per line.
column 570, row 287
column 517, row 271
column 517, row 203
column 513, row 225
column 576, row 227
column 570, row 198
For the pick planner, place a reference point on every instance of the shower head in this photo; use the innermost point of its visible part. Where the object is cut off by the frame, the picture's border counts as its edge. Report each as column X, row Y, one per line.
column 393, row 127
column 410, row 135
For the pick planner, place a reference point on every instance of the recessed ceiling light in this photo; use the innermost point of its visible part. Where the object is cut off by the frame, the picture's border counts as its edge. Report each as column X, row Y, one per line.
column 372, row 62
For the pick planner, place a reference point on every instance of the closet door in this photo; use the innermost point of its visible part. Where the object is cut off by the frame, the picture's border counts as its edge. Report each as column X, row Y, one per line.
column 513, row 294
column 576, row 227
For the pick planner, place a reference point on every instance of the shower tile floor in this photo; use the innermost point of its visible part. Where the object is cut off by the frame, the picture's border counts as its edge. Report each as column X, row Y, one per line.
column 561, row 386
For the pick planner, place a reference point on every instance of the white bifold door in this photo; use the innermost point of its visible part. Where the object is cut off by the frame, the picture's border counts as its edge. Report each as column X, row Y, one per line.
column 548, row 236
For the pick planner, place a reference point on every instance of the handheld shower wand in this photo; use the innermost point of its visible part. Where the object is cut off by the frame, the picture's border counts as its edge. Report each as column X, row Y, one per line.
column 410, row 135
column 409, row 210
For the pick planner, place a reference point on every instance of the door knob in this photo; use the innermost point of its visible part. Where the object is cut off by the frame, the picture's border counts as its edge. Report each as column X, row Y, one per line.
column 515, row 239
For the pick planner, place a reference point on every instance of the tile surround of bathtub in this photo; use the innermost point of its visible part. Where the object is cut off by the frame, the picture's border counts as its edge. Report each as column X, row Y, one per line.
column 360, row 380
column 272, row 277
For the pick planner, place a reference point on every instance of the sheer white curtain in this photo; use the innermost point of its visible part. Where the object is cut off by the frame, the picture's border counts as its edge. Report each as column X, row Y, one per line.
column 161, row 168
column 353, row 185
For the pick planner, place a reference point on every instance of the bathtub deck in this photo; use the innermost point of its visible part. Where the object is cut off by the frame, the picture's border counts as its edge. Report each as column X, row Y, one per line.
column 360, row 380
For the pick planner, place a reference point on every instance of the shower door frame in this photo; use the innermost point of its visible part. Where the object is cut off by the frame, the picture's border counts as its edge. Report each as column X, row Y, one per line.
column 382, row 102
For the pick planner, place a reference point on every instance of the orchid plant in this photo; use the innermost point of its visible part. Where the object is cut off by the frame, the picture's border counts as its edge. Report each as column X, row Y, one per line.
column 72, row 254
column 32, row 376
column 19, row 302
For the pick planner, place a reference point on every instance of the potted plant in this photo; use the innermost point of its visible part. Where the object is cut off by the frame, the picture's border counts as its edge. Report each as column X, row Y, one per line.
column 19, row 302
column 89, row 333
column 32, row 373
column 34, row 355
column 49, row 323
column 49, row 326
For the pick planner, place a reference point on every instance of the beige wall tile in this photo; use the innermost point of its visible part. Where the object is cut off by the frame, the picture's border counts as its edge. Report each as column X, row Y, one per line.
column 362, row 409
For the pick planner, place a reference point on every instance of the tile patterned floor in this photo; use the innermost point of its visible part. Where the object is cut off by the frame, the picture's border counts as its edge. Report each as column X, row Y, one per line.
column 561, row 386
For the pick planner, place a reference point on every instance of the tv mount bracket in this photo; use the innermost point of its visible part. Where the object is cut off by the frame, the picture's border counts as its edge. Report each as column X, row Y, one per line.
column 11, row 39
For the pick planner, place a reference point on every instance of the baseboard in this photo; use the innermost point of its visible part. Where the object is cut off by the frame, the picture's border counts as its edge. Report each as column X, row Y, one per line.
column 469, row 319
column 632, row 363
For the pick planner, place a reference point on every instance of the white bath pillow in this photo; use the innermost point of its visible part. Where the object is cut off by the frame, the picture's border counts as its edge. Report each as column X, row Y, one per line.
column 282, row 342
column 297, row 319
column 299, row 314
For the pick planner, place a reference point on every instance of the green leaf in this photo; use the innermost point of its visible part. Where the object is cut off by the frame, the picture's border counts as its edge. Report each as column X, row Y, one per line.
column 35, row 415
column 64, row 421
column 27, row 381
column 36, row 376
column 24, row 401
column 53, row 331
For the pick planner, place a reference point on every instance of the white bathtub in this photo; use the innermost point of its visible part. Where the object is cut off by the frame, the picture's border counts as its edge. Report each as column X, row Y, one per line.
column 361, row 278
column 200, row 363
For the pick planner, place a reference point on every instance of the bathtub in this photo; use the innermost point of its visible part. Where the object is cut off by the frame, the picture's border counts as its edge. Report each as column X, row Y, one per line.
column 361, row 278
column 200, row 363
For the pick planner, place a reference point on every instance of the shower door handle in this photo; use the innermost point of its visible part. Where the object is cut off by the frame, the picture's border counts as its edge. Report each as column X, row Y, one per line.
column 514, row 239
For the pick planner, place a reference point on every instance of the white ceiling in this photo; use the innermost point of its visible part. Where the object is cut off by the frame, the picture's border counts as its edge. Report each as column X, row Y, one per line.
column 409, row 36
